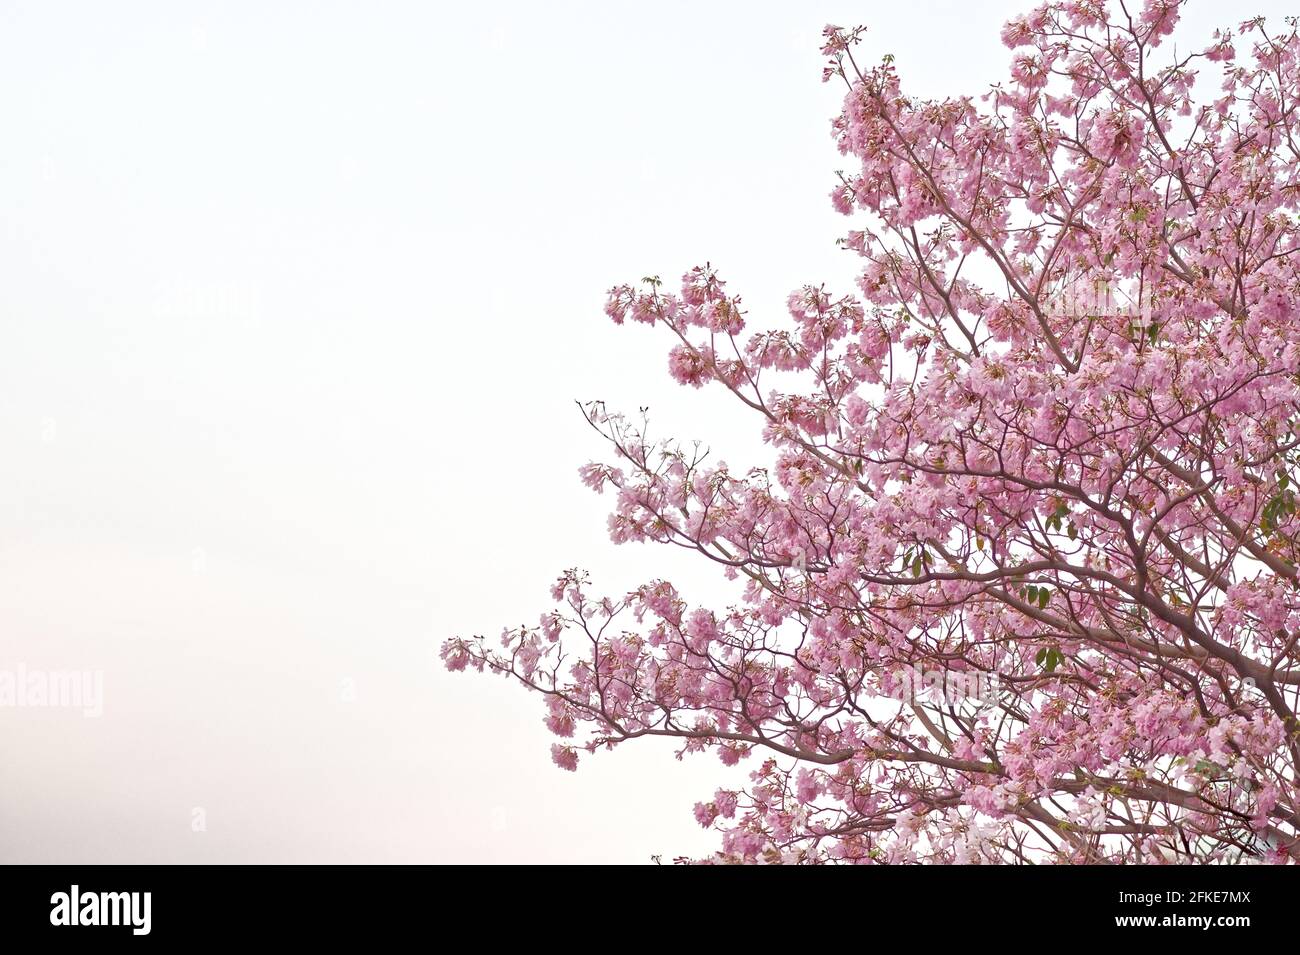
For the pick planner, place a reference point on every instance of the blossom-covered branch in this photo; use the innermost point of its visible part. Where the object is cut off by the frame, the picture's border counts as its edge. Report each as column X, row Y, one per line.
column 1049, row 446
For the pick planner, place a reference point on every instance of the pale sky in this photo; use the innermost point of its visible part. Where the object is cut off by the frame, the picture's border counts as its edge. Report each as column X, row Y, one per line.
column 295, row 301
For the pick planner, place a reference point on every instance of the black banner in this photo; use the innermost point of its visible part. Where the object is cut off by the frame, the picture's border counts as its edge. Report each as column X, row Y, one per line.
column 135, row 904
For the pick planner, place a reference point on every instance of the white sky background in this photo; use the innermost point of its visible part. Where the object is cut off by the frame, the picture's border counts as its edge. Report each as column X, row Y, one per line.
column 294, row 303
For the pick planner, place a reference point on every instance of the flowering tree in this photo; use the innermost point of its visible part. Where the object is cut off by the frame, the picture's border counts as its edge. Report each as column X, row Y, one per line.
column 1022, row 582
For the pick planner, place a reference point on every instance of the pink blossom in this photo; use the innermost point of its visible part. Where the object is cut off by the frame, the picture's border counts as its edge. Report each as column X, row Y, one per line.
column 566, row 757
column 1017, row 569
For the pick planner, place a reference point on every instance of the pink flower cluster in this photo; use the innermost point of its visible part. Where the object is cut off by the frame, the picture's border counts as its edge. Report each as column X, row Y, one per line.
column 1098, row 507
